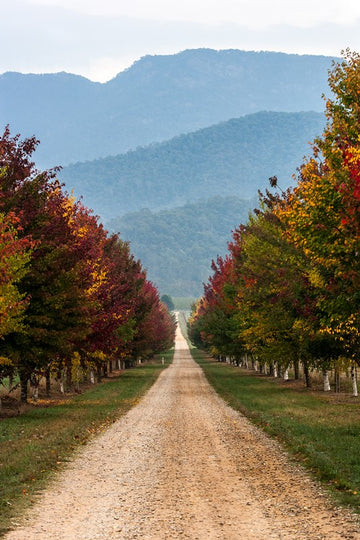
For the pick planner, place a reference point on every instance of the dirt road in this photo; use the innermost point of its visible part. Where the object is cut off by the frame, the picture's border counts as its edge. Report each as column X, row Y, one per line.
column 182, row 464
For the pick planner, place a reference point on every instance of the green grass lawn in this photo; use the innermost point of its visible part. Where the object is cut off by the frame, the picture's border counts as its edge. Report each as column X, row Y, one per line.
column 320, row 430
column 183, row 303
column 39, row 441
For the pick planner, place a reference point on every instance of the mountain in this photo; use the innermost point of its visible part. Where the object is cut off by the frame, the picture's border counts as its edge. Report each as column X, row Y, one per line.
column 233, row 158
column 177, row 245
column 157, row 98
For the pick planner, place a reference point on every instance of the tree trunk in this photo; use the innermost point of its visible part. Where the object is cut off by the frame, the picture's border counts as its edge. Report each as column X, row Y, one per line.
column 92, row 376
column 354, row 380
column 78, row 379
column 337, row 380
column 307, row 375
column 246, row 361
column 35, row 394
column 275, row 370
column 23, row 386
column 286, row 374
column 326, row 381
column 48, row 382
column 68, row 375
column 296, row 370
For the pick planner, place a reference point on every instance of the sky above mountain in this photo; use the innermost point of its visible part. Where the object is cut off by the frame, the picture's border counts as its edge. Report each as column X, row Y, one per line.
column 100, row 38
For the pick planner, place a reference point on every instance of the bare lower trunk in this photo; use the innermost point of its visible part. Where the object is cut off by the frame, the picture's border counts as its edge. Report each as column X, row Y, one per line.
column 275, row 370
column 68, row 375
column 354, row 380
column 337, row 381
column 60, row 377
column 35, row 392
column 78, row 380
column 48, row 382
column 296, row 370
column 326, row 381
column 92, row 377
column 24, row 387
column 286, row 374
column 246, row 361
column 307, row 375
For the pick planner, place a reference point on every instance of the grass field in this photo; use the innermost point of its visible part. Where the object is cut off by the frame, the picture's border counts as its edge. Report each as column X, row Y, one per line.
column 36, row 443
column 322, row 431
column 183, row 303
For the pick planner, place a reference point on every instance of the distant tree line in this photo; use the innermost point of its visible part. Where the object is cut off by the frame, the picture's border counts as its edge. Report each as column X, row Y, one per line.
column 176, row 245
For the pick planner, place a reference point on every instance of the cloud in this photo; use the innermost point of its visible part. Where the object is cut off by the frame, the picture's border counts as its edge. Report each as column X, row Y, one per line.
column 252, row 13
column 41, row 39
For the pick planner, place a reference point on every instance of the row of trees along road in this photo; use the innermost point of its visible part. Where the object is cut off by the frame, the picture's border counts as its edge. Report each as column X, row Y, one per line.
column 288, row 291
column 72, row 298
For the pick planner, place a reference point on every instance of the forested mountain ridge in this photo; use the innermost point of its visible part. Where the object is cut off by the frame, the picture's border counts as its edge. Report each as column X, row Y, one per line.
column 177, row 245
column 157, row 98
column 233, row 158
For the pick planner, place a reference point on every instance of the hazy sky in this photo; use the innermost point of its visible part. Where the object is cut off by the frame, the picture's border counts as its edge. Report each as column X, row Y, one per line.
column 100, row 38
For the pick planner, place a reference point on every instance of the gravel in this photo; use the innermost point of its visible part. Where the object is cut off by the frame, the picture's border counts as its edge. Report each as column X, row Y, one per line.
column 183, row 464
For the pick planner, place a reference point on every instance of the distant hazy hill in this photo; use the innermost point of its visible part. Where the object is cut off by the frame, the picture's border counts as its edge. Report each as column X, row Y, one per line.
column 232, row 158
column 157, row 98
column 177, row 245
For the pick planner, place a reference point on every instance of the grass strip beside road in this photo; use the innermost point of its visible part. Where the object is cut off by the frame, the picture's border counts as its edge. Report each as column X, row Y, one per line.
column 322, row 433
column 38, row 442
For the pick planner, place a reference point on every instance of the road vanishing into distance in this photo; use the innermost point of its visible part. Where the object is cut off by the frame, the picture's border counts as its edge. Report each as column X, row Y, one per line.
column 183, row 464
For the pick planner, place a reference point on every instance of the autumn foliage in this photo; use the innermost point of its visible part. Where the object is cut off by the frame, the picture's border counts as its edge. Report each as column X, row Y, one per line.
column 70, row 294
column 292, row 295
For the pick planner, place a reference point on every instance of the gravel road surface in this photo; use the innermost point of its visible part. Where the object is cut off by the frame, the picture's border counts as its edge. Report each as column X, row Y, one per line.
column 182, row 464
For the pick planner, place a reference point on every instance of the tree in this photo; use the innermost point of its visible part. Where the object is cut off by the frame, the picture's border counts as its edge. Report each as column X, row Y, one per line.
column 168, row 301
column 323, row 211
